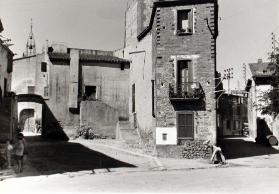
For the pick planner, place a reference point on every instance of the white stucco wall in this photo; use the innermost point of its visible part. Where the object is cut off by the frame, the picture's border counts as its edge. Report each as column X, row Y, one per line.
column 141, row 74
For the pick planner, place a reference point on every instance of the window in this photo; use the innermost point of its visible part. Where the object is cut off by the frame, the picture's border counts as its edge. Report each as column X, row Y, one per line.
column 43, row 67
column 185, row 125
column 133, row 98
column 165, row 137
column 153, row 98
column 46, row 91
column 122, row 66
column 5, row 86
column 31, row 89
column 236, row 125
column 228, row 124
column 185, row 21
column 91, row 92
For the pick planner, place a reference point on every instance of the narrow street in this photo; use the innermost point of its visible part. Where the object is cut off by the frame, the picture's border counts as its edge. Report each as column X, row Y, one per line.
column 82, row 166
column 222, row 180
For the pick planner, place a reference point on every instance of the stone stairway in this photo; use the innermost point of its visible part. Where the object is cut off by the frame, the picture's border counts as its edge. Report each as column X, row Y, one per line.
column 127, row 133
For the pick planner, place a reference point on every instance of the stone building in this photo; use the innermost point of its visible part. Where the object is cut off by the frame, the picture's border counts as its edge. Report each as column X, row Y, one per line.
column 232, row 114
column 260, row 125
column 65, row 88
column 30, row 77
column 172, row 48
column 8, row 118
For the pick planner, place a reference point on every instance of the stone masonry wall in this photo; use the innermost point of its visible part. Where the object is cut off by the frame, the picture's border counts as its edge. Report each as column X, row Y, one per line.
column 189, row 150
column 200, row 49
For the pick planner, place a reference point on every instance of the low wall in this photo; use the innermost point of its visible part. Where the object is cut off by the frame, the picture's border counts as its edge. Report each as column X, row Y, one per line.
column 190, row 150
column 101, row 117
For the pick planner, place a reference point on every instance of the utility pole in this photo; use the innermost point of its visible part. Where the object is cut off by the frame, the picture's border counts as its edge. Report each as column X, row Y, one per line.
column 228, row 75
column 245, row 73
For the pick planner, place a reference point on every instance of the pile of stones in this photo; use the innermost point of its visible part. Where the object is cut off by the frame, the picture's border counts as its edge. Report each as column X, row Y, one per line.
column 196, row 150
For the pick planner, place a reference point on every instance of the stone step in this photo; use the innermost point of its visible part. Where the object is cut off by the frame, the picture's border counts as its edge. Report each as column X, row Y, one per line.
column 8, row 173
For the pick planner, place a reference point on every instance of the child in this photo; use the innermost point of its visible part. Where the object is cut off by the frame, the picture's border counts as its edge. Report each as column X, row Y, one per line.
column 216, row 153
column 9, row 149
column 19, row 152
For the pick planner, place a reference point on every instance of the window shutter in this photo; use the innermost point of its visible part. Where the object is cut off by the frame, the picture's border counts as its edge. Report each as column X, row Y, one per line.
column 191, row 21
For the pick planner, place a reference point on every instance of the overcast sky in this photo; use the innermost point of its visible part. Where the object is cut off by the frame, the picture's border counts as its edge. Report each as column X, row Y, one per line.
column 245, row 27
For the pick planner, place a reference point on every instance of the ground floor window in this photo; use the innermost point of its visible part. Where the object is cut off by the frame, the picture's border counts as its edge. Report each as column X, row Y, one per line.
column 133, row 98
column 90, row 92
column 185, row 125
column 31, row 89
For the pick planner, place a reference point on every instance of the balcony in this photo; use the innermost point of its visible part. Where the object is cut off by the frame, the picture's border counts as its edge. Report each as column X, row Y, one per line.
column 187, row 91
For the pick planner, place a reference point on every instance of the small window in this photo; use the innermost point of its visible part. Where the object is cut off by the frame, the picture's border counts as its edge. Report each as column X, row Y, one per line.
column 90, row 92
column 228, row 124
column 46, row 91
column 185, row 21
column 153, row 98
column 5, row 86
column 133, row 98
column 43, row 67
column 122, row 66
column 31, row 89
column 165, row 136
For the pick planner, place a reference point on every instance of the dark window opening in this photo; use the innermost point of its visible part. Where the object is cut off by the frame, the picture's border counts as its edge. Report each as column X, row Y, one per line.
column 165, row 137
column 153, row 98
column 122, row 67
column 133, row 98
column 43, row 67
column 228, row 124
column 185, row 123
column 46, row 91
column 31, row 89
column 90, row 93
column 184, row 22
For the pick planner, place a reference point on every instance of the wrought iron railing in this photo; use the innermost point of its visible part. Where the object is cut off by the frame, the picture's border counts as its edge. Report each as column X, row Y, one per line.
column 186, row 90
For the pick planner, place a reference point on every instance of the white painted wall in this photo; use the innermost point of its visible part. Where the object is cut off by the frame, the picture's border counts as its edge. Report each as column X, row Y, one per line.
column 170, row 133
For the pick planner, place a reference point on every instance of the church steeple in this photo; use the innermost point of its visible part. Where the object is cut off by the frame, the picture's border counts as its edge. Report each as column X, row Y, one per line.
column 30, row 45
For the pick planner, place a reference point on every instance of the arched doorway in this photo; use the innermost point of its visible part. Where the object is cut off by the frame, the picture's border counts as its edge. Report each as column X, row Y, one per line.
column 27, row 121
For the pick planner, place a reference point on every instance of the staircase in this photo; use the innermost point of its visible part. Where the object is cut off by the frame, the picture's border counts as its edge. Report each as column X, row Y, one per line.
column 127, row 133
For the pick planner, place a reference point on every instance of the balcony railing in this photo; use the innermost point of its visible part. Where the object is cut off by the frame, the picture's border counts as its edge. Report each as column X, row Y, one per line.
column 186, row 91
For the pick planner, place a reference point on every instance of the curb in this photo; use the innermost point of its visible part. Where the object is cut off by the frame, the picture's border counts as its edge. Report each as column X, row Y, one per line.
column 155, row 159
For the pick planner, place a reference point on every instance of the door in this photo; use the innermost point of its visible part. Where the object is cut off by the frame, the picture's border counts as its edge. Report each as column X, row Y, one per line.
column 184, row 77
column 185, row 125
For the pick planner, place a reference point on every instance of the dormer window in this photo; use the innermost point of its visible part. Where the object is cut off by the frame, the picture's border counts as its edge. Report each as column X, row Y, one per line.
column 185, row 22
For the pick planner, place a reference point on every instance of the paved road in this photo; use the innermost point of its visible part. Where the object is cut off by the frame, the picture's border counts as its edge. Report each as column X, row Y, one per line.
column 221, row 180
column 52, row 157
column 81, row 167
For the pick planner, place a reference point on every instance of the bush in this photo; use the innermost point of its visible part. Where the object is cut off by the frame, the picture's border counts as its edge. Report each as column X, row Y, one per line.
column 87, row 132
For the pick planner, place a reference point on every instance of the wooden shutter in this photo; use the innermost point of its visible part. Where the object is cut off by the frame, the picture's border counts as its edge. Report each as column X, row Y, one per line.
column 191, row 21
column 185, row 125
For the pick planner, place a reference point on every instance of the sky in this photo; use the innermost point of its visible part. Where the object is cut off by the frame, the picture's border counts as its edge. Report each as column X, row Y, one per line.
column 245, row 27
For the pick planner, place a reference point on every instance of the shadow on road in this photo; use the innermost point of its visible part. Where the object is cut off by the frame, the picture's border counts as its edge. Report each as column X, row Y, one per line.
column 52, row 157
column 239, row 148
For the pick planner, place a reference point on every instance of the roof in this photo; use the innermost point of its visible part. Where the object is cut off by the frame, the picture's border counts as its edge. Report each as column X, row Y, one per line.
column 169, row 3
column 31, row 56
column 89, row 58
column 262, row 72
column 102, row 58
column 262, row 69
column 59, row 56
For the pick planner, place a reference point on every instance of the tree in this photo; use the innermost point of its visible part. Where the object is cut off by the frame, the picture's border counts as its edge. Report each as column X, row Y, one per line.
column 270, row 98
